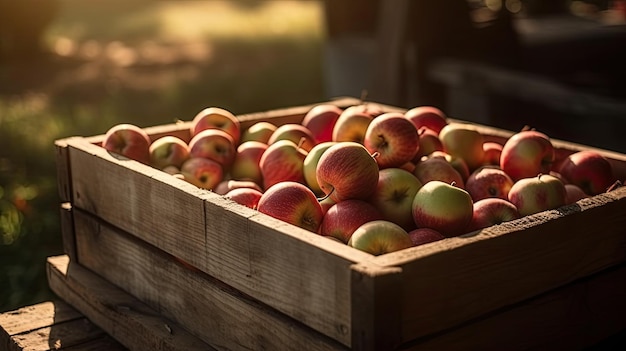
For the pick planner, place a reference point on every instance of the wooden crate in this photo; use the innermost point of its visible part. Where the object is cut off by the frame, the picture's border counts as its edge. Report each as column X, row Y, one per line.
column 239, row 279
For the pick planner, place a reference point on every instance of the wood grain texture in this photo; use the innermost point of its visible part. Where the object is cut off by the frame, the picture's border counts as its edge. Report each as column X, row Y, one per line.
column 52, row 325
column 123, row 317
column 580, row 315
column 215, row 312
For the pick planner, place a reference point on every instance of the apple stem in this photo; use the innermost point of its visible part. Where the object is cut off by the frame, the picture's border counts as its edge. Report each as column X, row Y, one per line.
column 301, row 142
column 375, row 154
column 618, row 183
column 320, row 199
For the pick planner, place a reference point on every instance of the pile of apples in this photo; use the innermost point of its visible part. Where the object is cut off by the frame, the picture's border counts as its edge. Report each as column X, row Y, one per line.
column 377, row 181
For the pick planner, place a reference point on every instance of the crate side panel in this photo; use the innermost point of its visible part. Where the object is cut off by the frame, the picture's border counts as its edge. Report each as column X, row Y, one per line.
column 154, row 206
column 123, row 317
column 210, row 309
column 575, row 316
column 300, row 273
column 455, row 280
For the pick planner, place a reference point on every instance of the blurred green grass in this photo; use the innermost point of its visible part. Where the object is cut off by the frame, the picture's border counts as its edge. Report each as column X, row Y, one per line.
column 141, row 62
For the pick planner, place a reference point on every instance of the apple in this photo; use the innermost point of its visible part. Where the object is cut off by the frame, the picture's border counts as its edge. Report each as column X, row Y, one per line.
column 421, row 236
column 394, row 195
column 436, row 168
column 320, row 120
column 310, row 165
column 429, row 143
column 214, row 144
column 168, row 151
column 245, row 196
column 343, row 218
column 202, row 172
column 282, row 161
column 246, row 163
column 352, row 124
column 346, row 170
column 297, row 133
column 491, row 211
column 536, row 194
column 293, row 203
column 573, row 193
column 380, row 237
column 489, row 181
column 393, row 137
column 492, row 151
column 259, row 131
column 227, row 185
column 128, row 140
column 443, row 207
column 526, row 154
column 461, row 141
column 588, row 169
column 216, row 118
column 457, row 162
column 427, row 116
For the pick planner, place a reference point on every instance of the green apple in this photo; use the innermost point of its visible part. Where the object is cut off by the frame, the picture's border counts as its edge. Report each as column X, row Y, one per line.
column 464, row 142
column 394, row 195
column 443, row 207
column 380, row 237
column 310, row 165
column 536, row 194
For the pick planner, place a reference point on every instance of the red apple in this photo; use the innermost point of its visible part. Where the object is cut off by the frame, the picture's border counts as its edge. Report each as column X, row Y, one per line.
column 427, row 116
column 168, row 151
column 462, row 141
column 526, row 154
column 343, row 218
column 394, row 195
column 393, row 137
column 347, row 171
column 492, row 151
column 297, row 133
column 436, row 168
column 214, row 144
column 245, row 196
column 588, row 169
column 492, row 211
column 247, row 159
column 310, row 165
column 282, row 161
column 128, row 140
column 429, row 143
column 380, row 237
column 441, row 206
column 536, row 194
column 489, row 181
column 227, row 185
column 574, row 193
column 216, row 118
column 202, row 172
column 259, row 131
column 293, row 203
column 457, row 162
column 421, row 236
column 320, row 120
column 352, row 124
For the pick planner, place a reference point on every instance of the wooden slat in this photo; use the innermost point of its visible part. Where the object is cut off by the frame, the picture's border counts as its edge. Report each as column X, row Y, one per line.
column 455, row 280
column 52, row 325
column 123, row 317
column 577, row 316
column 163, row 210
column 215, row 312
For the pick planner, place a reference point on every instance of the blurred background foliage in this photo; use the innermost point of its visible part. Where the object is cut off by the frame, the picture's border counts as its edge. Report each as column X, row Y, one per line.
column 143, row 62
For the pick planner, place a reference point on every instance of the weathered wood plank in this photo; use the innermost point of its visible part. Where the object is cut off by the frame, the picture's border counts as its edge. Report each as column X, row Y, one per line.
column 52, row 325
column 131, row 322
column 573, row 317
column 215, row 312
column 454, row 280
